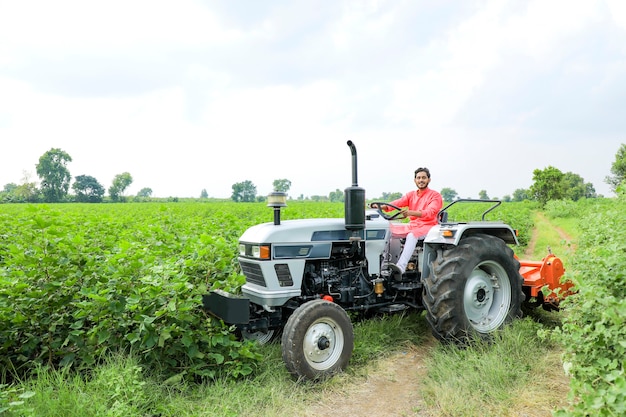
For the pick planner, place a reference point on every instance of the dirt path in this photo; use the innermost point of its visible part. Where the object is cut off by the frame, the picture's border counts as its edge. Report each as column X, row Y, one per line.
column 530, row 249
column 390, row 390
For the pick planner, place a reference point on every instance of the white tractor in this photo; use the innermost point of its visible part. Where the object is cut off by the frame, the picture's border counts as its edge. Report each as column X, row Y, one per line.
column 303, row 276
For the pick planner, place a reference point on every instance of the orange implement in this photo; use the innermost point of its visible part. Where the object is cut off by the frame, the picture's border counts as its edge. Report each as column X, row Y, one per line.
column 545, row 273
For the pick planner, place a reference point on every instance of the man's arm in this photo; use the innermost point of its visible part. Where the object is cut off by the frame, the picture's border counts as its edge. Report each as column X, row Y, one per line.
column 433, row 206
column 400, row 202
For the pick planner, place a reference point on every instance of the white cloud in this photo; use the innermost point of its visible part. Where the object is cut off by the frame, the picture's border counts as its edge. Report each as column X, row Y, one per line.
column 617, row 8
column 76, row 25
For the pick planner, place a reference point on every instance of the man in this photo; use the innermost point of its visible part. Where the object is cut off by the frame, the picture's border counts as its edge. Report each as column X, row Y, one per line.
column 421, row 206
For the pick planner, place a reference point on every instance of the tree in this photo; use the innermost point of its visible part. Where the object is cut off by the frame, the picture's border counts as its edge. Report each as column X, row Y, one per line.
column 88, row 189
column 282, row 185
column 120, row 184
column 336, row 196
column 521, row 194
column 448, row 194
column 204, row 193
column 551, row 184
column 27, row 191
column 483, row 195
column 7, row 195
column 390, row 196
column 145, row 192
column 618, row 169
column 576, row 188
column 9, row 188
column 548, row 185
column 244, row 192
column 55, row 177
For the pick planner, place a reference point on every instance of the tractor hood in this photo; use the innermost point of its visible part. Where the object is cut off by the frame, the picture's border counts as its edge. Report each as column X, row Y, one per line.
column 312, row 230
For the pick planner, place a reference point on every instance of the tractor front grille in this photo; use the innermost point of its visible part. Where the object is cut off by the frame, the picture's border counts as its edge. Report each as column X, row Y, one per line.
column 253, row 273
column 283, row 274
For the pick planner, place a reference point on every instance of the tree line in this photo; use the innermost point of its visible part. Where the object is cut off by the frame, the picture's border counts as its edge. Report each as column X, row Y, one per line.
column 55, row 179
column 548, row 184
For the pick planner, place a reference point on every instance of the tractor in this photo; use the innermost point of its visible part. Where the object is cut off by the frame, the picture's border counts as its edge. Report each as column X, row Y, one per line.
column 304, row 277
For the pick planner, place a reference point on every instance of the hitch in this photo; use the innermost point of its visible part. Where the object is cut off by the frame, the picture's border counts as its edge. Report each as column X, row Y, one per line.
column 546, row 273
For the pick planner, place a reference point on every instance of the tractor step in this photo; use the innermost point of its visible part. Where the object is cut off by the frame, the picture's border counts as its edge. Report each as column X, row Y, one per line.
column 406, row 286
column 393, row 308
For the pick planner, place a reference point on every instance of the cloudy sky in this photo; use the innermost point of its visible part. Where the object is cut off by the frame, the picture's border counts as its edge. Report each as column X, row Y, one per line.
column 189, row 95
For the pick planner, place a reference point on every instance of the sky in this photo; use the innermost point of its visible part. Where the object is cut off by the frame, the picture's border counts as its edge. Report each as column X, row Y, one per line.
column 189, row 95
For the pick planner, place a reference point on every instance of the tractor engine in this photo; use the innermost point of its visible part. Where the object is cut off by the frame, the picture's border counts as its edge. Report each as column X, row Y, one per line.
column 339, row 279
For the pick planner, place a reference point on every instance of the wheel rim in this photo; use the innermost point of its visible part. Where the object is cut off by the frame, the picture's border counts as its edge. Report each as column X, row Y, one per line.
column 259, row 336
column 323, row 343
column 487, row 296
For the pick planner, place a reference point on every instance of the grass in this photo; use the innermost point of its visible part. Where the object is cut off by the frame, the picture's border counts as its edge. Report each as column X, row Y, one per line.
column 117, row 388
column 559, row 234
column 120, row 387
column 515, row 372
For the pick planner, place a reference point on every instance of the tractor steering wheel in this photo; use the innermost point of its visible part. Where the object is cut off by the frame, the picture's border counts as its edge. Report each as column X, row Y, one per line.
column 384, row 214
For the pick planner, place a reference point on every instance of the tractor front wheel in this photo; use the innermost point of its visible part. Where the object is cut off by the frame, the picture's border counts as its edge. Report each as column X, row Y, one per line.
column 317, row 340
column 474, row 288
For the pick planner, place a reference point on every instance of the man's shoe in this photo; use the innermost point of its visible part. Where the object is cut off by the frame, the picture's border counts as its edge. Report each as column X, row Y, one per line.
column 395, row 269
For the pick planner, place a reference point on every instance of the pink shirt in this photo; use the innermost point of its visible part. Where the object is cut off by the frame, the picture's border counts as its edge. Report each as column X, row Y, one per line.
column 429, row 203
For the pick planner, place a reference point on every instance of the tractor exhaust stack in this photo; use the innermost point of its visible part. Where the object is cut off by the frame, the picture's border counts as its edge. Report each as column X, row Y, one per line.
column 354, row 198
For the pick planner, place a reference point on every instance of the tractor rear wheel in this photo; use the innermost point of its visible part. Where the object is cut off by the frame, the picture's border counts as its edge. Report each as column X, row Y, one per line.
column 317, row 340
column 474, row 288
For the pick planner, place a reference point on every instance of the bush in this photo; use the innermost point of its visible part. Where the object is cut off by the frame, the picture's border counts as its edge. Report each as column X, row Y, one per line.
column 593, row 332
column 561, row 208
column 80, row 283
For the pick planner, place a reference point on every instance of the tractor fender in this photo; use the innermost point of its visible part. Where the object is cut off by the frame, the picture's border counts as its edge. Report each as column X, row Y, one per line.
column 450, row 234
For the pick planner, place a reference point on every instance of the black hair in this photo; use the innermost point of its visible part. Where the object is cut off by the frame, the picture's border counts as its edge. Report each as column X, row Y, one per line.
column 422, row 170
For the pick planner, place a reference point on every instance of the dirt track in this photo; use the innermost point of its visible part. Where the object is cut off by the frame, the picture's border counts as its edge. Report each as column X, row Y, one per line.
column 390, row 390
column 533, row 239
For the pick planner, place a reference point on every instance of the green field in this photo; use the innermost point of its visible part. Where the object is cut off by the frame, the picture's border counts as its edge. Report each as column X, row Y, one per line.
column 99, row 310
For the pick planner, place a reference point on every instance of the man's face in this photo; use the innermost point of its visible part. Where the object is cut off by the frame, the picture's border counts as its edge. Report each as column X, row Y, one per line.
column 422, row 180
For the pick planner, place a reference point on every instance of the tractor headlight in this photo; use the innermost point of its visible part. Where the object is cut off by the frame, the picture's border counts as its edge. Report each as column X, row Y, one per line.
column 261, row 251
column 254, row 251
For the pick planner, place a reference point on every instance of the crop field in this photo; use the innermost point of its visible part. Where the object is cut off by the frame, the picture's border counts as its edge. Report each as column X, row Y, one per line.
column 79, row 281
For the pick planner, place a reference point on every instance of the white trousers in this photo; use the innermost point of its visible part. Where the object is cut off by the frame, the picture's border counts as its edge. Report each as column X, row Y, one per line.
column 409, row 247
